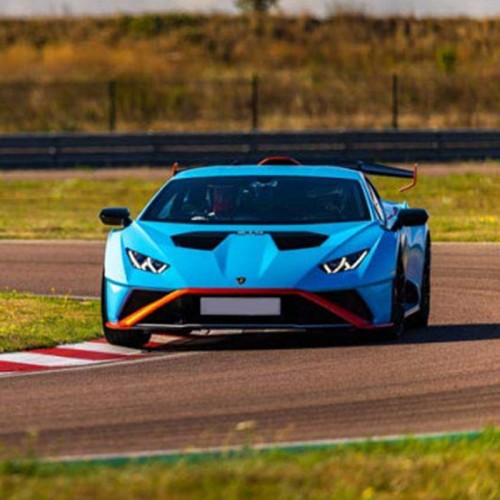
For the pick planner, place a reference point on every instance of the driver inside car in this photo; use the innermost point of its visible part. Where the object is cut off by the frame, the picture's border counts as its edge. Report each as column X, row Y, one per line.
column 224, row 201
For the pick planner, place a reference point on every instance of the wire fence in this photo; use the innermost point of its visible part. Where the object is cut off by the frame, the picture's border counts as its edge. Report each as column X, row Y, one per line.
column 321, row 102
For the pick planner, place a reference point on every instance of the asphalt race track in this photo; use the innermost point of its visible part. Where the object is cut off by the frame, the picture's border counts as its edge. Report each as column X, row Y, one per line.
column 293, row 387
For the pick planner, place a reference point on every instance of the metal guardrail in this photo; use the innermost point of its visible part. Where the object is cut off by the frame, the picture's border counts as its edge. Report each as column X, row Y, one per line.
column 49, row 151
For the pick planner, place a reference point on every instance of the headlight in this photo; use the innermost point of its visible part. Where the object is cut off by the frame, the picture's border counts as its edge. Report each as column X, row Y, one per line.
column 145, row 263
column 347, row 263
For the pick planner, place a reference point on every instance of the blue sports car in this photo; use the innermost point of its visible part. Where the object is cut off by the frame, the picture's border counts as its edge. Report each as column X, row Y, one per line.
column 277, row 245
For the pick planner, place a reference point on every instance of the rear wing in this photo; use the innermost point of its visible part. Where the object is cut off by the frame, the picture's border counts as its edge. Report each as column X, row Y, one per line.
column 366, row 168
column 384, row 171
column 361, row 166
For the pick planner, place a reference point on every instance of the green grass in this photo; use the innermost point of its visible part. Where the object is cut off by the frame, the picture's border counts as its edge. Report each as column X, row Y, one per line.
column 463, row 207
column 62, row 209
column 438, row 469
column 31, row 322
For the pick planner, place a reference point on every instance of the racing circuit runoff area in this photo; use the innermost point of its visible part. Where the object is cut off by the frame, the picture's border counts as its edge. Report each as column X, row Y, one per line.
column 291, row 387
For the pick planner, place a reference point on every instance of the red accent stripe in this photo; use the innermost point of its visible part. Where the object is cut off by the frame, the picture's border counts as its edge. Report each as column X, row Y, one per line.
column 79, row 354
column 348, row 316
column 154, row 345
column 11, row 366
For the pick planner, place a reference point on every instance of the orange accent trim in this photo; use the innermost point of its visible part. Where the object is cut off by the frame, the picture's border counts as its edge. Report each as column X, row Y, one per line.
column 413, row 183
column 279, row 160
column 115, row 326
column 136, row 317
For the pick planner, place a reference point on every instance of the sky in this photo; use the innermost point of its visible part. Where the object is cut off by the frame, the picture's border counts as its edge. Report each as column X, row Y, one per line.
column 476, row 8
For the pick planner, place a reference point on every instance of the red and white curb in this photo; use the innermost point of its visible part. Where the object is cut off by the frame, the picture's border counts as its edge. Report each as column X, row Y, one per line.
column 73, row 355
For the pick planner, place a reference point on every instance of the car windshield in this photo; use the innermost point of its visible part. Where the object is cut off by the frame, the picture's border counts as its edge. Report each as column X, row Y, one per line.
column 259, row 200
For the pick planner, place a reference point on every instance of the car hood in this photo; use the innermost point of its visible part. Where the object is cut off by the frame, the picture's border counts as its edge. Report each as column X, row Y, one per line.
column 264, row 256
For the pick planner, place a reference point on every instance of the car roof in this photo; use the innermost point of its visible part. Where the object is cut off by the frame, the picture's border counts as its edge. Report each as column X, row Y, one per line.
column 271, row 170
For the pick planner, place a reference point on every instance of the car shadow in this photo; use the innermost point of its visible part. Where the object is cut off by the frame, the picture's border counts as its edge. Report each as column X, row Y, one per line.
column 314, row 340
column 452, row 333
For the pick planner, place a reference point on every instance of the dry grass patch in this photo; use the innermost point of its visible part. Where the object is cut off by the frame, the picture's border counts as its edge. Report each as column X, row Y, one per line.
column 192, row 72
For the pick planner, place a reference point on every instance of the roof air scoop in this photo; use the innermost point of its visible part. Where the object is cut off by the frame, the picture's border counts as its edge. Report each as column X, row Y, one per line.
column 279, row 160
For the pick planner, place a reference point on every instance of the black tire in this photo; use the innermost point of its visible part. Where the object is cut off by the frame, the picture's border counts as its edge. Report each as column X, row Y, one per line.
column 124, row 338
column 394, row 332
column 421, row 318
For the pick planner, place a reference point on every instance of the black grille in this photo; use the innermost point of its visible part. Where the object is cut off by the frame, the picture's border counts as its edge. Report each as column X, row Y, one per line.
column 200, row 240
column 138, row 299
column 295, row 310
column 297, row 240
column 350, row 300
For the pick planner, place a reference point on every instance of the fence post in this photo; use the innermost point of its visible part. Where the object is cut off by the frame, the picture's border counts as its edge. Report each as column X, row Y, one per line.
column 255, row 103
column 112, row 105
column 395, row 102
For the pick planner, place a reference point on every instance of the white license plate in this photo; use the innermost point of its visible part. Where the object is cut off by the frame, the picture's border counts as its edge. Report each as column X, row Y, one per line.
column 240, row 306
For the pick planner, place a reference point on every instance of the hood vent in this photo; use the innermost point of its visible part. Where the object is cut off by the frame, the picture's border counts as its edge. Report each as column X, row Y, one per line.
column 199, row 241
column 283, row 240
column 298, row 240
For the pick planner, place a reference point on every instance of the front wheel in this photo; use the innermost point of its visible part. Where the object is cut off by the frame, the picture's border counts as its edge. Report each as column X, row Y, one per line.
column 421, row 318
column 395, row 331
column 124, row 338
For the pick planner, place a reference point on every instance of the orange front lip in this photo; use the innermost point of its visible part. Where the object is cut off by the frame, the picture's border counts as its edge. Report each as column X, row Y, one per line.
column 348, row 316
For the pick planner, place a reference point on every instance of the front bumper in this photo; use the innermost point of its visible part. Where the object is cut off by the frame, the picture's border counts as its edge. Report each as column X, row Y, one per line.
column 179, row 310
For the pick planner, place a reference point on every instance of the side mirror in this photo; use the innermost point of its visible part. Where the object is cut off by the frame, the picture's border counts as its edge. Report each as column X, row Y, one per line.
column 408, row 217
column 115, row 216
